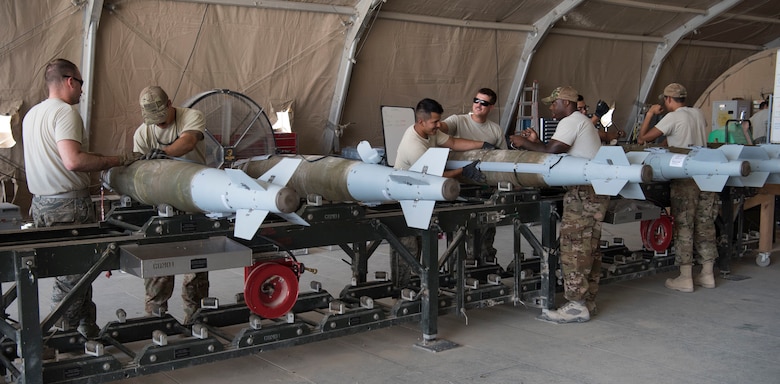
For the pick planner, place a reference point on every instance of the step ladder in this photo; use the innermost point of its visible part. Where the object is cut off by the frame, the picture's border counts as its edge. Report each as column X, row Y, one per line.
column 528, row 108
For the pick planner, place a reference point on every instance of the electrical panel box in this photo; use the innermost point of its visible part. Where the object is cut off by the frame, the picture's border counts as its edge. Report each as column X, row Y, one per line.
column 723, row 111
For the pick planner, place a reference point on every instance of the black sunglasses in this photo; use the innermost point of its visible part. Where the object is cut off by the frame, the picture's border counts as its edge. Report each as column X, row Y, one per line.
column 484, row 103
column 81, row 82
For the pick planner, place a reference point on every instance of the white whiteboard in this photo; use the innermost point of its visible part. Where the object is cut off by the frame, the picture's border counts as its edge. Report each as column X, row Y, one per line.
column 395, row 120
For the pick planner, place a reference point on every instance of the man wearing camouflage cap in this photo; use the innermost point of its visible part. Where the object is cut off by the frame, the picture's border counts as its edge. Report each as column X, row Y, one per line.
column 170, row 132
column 583, row 209
column 694, row 211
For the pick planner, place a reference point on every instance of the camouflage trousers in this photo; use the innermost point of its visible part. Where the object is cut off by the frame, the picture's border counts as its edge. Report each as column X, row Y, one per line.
column 49, row 212
column 194, row 287
column 583, row 212
column 694, row 215
column 400, row 270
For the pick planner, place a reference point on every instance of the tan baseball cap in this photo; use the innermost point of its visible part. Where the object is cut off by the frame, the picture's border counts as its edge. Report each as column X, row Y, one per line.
column 674, row 90
column 563, row 93
column 154, row 105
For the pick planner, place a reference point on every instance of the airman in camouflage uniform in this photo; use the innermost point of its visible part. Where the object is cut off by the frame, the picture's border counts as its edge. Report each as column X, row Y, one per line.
column 693, row 211
column 694, row 215
column 476, row 126
column 48, row 212
column 57, row 169
column 169, row 131
column 583, row 210
column 195, row 286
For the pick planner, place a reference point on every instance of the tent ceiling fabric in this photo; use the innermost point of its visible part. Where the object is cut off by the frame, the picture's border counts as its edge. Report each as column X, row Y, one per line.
column 275, row 51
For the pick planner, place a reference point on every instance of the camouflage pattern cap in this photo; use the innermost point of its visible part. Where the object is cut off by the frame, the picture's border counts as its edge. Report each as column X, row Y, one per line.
column 674, row 90
column 563, row 93
column 154, row 105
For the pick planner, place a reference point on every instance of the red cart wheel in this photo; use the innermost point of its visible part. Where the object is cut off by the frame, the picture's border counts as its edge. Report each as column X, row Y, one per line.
column 271, row 290
column 657, row 234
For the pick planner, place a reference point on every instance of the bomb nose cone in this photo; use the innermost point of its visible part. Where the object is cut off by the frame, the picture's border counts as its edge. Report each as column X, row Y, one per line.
column 744, row 170
column 287, row 200
column 450, row 189
column 647, row 173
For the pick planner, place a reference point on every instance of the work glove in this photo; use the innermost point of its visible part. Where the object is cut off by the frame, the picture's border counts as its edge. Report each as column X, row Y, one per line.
column 472, row 173
column 155, row 154
column 126, row 159
column 601, row 108
column 486, row 145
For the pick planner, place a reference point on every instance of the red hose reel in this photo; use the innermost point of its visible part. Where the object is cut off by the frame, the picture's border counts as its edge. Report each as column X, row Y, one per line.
column 657, row 234
column 271, row 286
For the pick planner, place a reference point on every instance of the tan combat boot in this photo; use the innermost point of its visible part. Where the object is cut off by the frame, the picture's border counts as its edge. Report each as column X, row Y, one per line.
column 684, row 282
column 706, row 278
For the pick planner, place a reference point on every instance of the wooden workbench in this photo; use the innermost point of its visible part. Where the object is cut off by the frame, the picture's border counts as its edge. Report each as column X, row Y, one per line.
column 766, row 199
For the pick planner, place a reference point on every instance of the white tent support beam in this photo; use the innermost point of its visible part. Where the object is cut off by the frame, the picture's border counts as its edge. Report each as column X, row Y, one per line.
column 651, row 39
column 555, row 31
column 664, row 48
column 455, row 22
column 92, row 13
column 280, row 4
column 534, row 38
column 672, row 8
column 653, row 6
column 356, row 28
column 759, row 19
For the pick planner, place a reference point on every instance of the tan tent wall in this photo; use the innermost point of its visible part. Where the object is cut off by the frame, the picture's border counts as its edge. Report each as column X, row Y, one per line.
column 28, row 43
column 275, row 55
column 404, row 62
column 610, row 70
column 269, row 55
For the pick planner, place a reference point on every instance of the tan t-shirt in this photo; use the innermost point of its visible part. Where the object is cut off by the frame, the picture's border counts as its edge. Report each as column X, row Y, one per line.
column 465, row 127
column 412, row 147
column 148, row 137
column 684, row 127
column 578, row 131
column 43, row 126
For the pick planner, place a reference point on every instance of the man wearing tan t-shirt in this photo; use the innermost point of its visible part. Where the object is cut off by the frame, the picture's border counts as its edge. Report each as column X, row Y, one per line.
column 170, row 132
column 57, row 170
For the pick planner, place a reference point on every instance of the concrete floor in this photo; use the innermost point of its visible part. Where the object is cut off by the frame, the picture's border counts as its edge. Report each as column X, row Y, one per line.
column 644, row 333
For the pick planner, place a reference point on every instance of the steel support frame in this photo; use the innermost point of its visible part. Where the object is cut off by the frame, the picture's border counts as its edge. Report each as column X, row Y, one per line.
column 49, row 252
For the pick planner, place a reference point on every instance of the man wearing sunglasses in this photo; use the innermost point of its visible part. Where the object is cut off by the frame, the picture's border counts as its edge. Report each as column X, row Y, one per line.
column 475, row 125
column 583, row 209
column 171, row 132
column 57, row 169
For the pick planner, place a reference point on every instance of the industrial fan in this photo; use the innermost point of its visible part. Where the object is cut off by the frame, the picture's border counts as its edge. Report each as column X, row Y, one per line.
column 236, row 127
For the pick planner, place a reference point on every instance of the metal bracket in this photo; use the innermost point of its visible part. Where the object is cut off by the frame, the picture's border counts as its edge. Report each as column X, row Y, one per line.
column 94, row 348
column 200, row 331
column 165, row 210
column 159, row 338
